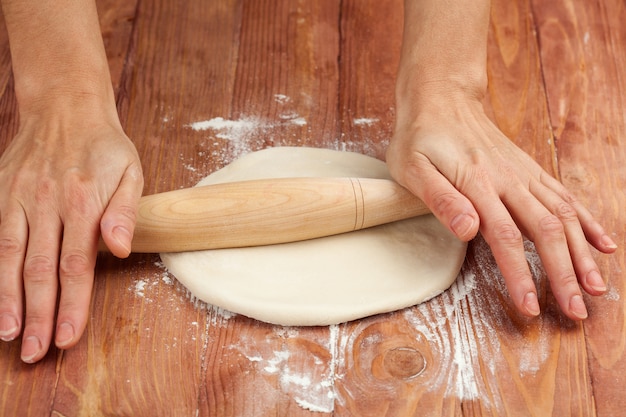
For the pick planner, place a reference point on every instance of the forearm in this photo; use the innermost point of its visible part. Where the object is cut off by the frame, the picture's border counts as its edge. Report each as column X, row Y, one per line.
column 57, row 52
column 444, row 49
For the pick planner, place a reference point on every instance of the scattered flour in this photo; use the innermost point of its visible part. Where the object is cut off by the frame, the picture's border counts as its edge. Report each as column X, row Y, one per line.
column 223, row 140
column 612, row 294
column 312, row 407
column 463, row 327
column 139, row 288
column 231, row 129
column 364, row 121
column 312, row 386
column 281, row 98
column 299, row 121
column 218, row 316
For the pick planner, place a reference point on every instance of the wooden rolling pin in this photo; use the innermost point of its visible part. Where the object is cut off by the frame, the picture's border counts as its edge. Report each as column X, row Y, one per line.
column 265, row 212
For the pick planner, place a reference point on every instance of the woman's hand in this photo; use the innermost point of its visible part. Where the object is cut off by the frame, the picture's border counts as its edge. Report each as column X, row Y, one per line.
column 69, row 175
column 473, row 178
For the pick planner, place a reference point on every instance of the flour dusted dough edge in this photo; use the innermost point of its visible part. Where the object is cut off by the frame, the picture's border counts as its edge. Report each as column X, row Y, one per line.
column 322, row 281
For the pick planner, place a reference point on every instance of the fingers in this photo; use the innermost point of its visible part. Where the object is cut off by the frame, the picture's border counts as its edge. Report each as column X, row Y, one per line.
column 551, row 219
column 560, row 243
column 13, row 236
column 507, row 244
column 118, row 221
column 40, row 285
column 593, row 231
column 76, row 267
column 456, row 211
column 569, row 217
column 79, row 250
column 55, row 245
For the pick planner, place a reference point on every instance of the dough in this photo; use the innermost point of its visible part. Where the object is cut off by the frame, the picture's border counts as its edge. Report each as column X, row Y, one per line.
column 328, row 280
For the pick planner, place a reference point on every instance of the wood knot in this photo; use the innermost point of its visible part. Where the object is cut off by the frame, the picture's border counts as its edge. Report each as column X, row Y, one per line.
column 404, row 362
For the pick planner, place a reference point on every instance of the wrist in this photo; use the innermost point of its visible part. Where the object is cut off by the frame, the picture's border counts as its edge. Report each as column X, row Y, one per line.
column 72, row 93
column 434, row 97
column 57, row 52
column 424, row 83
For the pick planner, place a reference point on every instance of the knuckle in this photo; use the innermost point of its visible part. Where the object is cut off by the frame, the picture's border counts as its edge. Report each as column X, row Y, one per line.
column 10, row 246
column 443, row 202
column 44, row 191
column 550, row 225
column 507, row 233
column 473, row 177
column 74, row 265
column 78, row 197
column 37, row 318
column 569, row 198
column 566, row 280
column 566, row 212
column 128, row 212
column 415, row 165
column 38, row 269
column 125, row 214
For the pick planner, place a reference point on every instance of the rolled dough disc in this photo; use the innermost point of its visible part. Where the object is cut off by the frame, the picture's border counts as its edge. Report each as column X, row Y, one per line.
column 328, row 280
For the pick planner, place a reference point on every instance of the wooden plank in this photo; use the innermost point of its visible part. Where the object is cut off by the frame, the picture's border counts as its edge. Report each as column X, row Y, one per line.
column 284, row 94
column 181, row 71
column 5, row 57
column 371, row 36
column 287, row 74
column 116, row 24
column 583, row 49
column 8, row 103
column 26, row 390
column 473, row 342
column 145, row 340
column 516, row 99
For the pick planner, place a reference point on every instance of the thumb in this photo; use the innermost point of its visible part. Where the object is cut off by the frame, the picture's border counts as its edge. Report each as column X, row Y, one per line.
column 451, row 207
column 118, row 221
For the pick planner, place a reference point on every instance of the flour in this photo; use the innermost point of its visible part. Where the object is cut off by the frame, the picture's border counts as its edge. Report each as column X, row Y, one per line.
column 223, row 140
column 230, row 129
column 463, row 328
column 612, row 294
column 281, row 98
column 299, row 121
column 139, row 288
column 312, row 407
column 310, row 387
column 364, row 121
column 217, row 317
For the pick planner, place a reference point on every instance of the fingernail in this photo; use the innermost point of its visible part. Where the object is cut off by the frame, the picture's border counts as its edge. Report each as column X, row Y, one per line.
column 8, row 327
column 462, row 225
column 31, row 347
column 608, row 242
column 65, row 334
column 596, row 282
column 123, row 237
column 531, row 304
column 577, row 307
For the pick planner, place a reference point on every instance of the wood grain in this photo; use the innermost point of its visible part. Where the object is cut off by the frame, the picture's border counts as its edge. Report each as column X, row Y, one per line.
column 267, row 212
column 583, row 48
column 278, row 72
column 371, row 33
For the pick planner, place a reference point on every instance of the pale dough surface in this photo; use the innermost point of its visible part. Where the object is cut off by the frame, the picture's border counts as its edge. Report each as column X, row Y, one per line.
column 322, row 281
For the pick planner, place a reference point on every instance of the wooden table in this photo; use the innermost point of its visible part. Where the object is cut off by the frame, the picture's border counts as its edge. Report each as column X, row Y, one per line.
column 321, row 73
